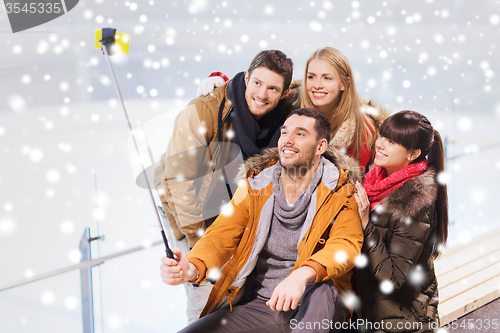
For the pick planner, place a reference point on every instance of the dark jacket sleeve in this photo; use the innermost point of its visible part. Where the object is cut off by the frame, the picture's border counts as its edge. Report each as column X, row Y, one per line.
column 394, row 259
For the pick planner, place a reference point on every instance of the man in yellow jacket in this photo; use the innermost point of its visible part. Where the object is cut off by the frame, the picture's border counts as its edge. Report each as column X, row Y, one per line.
column 282, row 250
column 210, row 139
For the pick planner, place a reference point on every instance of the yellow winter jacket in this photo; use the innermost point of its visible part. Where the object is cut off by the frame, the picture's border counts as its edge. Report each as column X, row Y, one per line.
column 331, row 237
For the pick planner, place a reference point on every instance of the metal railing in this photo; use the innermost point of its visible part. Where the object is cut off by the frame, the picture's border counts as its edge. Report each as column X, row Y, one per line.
column 81, row 265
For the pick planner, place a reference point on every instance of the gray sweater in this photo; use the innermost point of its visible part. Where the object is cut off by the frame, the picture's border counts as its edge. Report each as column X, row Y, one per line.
column 277, row 258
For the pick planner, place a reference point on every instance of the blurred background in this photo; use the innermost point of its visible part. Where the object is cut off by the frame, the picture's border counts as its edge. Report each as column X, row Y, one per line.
column 65, row 150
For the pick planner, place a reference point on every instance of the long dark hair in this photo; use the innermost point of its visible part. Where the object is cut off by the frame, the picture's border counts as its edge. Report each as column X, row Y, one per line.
column 413, row 131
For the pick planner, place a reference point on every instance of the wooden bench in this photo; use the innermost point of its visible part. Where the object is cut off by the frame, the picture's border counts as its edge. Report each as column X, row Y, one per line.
column 468, row 276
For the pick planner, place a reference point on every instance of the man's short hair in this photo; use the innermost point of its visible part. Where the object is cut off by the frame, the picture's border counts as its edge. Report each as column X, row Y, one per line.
column 276, row 61
column 321, row 125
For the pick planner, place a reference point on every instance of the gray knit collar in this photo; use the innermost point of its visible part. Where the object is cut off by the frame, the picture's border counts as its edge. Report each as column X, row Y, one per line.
column 281, row 207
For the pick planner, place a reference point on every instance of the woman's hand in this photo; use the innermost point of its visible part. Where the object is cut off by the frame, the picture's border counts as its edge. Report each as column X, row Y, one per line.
column 363, row 204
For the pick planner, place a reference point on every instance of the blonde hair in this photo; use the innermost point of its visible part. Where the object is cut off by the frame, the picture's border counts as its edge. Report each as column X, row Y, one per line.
column 349, row 106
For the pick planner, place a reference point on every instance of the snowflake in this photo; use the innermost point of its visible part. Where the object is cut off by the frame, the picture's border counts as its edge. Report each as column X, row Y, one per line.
column 114, row 321
column 341, row 257
column 71, row 303
column 197, row 6
column 478, row 196
column 26, row 79
column 105, row 81
column 7, row 226
column 379, row 209
column 179, row 92
column 471, row 149
column 53, row 176
column 227, row 210
column 351, row 300
column 443, row 178
column 8, row 207
column 327, row 5
column 29, row 273
column 439, row 39
column 17, row 49
column 494, row 19
column 269, row 10
column 200, row 232
column 138, row 29
column 16, row 102
column 35, row 155
column 315, row 26
column 99, row 214
column 361, row 261
column 67, row 226
column 214, row 274
column 48, row 297
column 391, row 30
column 386, row 287
column 417, row 276
column 88, row 14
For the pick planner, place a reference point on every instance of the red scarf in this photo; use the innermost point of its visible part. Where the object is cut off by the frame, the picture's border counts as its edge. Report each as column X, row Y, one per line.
column 378, row 185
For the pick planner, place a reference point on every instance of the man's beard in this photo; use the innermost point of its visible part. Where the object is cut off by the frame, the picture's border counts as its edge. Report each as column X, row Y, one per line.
column 299, row 166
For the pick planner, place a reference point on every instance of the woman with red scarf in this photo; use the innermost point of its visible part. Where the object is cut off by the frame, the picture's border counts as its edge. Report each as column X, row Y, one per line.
column 404, row 213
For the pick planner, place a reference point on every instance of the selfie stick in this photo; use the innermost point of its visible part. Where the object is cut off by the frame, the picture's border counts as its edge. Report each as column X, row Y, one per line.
column 107, row 41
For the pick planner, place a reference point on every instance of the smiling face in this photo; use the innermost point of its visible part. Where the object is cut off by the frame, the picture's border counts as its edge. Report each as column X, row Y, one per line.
column 393, row 156
column 299, row 146
column 323, row 85
column 264, row 91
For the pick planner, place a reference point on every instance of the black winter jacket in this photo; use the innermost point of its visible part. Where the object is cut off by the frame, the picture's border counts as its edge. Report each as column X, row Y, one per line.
column 398, row 243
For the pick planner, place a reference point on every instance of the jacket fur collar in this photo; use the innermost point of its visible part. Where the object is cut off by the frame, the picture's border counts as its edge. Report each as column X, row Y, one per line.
column 414, row 196
column 269, row 157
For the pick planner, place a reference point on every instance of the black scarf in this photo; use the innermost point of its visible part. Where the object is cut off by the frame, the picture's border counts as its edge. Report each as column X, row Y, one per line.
column 253, row 135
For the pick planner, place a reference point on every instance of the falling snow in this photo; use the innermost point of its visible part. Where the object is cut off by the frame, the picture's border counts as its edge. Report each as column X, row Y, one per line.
column 361, row 261
column 386, row 287
column 432, row 58
column 341, row 257
column 214, row 274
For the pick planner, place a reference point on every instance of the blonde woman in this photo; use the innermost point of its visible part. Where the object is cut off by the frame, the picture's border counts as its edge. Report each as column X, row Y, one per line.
column 328, row 86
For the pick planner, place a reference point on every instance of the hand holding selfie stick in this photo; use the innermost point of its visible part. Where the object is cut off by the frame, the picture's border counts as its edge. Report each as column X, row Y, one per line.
column 112, row 41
